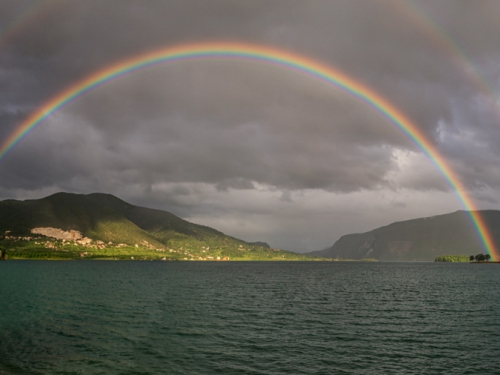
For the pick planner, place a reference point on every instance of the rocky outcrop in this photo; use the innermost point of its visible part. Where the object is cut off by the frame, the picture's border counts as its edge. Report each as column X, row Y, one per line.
column 59, row 234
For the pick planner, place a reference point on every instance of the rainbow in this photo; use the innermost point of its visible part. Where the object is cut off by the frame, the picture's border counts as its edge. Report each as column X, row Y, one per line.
column 447, row 45
column 273, row 56
column 31, row 12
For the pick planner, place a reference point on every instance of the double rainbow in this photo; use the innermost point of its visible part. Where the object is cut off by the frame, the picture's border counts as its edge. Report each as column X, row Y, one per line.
column 273, row 56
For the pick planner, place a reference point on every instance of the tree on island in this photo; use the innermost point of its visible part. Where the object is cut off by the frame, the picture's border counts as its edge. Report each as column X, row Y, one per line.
column 480, row 258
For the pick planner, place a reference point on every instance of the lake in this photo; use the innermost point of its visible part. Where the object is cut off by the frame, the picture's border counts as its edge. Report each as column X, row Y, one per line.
column 106, row 317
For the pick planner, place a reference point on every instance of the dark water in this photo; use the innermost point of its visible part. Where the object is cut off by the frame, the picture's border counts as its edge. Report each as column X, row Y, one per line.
column 97, row 317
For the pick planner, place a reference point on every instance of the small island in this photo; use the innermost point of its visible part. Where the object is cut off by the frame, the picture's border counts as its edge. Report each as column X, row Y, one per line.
column 479, row 258
column 453, row 258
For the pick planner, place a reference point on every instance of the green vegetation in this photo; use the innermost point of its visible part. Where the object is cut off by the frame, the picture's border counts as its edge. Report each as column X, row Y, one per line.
column 480, row 258
column 45, row 248
column 453, row 258
column 109, row 228
column 3, row 253
column 463, row 258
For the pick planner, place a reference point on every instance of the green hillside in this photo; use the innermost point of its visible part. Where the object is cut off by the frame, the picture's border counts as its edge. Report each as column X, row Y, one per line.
column 117, row 230
column 420, row 239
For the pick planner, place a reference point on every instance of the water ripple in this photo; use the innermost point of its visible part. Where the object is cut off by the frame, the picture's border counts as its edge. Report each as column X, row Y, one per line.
column 248, row 318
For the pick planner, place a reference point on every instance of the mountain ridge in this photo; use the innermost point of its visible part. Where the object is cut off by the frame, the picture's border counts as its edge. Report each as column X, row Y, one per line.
column 420, row 239
column 65, row 211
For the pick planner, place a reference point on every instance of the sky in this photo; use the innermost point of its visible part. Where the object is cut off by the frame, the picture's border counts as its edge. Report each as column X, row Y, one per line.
column 257, row 151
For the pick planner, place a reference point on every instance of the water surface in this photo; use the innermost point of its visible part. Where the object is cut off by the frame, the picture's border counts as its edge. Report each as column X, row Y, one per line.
column 104, row 317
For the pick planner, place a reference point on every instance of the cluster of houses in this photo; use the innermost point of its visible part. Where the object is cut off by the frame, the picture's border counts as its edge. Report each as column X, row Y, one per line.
column 209, row 258
column 16, row 238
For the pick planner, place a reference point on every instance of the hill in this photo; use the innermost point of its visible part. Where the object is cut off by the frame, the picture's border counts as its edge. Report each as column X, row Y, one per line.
column 416, row 240
column 101, row 225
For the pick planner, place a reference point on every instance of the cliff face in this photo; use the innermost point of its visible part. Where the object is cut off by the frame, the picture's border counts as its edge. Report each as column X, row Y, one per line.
column 72, row 235
column 420, row 239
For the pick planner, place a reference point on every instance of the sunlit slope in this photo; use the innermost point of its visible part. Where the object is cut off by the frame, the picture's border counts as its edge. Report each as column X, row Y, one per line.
column 101, row 217
column 162, row 224
column 420, row 239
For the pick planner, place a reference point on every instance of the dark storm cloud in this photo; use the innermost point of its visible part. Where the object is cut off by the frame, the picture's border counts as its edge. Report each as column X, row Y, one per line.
column 174, row 135
column 250, row 129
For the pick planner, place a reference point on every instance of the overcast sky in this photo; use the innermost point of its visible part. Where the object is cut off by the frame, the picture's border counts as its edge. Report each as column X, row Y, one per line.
column 259, row 152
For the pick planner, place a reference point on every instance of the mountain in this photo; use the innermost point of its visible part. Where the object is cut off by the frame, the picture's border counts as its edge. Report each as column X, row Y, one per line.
column 103, row 222
column 416, row 240
column 101, row 217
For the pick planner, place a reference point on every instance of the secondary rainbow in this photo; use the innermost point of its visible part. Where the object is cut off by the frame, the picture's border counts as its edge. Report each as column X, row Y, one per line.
column 31, row 12
column 438, row 35
column 264, row 54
